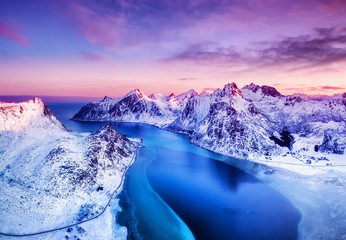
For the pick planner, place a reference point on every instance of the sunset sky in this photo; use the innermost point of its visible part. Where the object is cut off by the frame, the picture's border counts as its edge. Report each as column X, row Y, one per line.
column 108, row 47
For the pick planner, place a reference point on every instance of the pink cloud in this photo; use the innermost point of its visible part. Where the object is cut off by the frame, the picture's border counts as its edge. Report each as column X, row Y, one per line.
column 332, row 88
column 315, row 89
column 10, row 32
column 106, row 29
column 187, row 79
column 334, row 6
column 97, row 29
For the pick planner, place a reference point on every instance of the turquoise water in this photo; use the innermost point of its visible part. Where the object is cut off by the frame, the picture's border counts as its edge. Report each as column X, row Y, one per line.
column 175, row 189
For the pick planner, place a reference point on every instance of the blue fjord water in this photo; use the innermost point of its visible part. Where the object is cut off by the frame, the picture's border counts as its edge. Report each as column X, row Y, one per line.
column 175, row 189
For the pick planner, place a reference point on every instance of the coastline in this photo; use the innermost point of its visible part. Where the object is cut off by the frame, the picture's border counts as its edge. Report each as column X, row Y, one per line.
column 112, row 196
column 145, row 209
column 309, row 191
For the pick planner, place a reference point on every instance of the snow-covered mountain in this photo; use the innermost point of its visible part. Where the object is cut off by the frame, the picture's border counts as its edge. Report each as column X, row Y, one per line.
column 33, row 113
column 50, row 177
column 235, row 127
column 255, row 122
column 315, row 125
column 135, row 106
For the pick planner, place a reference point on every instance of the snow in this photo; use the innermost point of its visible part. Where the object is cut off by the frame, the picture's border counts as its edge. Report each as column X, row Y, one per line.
column 241, row 123
column 300, row 142
column 103, row 227
column 135, row 106
column 15, row 117
column 50, row 177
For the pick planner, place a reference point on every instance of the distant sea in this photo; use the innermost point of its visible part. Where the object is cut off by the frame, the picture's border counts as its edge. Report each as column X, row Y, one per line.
column 16, row 98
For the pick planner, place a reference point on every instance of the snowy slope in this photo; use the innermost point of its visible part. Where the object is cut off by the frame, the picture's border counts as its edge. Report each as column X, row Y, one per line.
column 50, row 177
column 317, row 126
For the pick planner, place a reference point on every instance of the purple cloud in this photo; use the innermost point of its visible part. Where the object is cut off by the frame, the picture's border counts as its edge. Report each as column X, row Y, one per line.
column 10, row 32
column 95, row 57
column 117, row 23
column 100, row 29
column 322, row 46
column 334, row 6
column 209, row 53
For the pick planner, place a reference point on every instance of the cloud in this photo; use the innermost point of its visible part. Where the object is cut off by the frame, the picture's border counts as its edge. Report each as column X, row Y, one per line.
column 321, row 47
column 209, row 53
column 100, row 29
column 315, row 89
column 95, row 57
column 10, row 32
column 332, row 88
column 118, row 23
column 334, row 6
column 186, row 79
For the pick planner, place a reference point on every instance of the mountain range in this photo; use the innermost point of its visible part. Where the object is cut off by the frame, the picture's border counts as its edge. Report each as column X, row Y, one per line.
column 254, row 122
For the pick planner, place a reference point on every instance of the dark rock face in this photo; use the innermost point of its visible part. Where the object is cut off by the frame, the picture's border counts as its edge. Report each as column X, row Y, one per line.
column 266, row 90
column 91, row 110
column 270, row 91
column 106, row 99
column 110, row 146
column 285, row 140
column 291, row 101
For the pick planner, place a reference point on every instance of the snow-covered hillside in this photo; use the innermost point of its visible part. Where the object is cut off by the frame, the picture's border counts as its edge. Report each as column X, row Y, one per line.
column 50, row 177
column 255, row 122
column 316, row 127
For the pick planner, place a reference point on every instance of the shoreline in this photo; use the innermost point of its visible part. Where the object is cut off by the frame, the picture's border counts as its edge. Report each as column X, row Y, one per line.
column 146, row 216
column 114, row 193
column 282, row 176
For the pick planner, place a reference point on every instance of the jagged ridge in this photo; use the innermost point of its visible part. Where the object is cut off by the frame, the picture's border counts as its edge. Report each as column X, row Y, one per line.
column 252, row 122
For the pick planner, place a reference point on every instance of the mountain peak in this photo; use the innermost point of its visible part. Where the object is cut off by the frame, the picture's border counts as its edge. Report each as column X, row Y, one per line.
column 152, row 96
column 172, row 97
column 18, row 116
column 270, row 91
column 136, row 92
column 106, row 99
column 231, row 89
column 37, row 100
column 187, row 95
column 266, row 90
column 204, row 93
column 253, row 87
